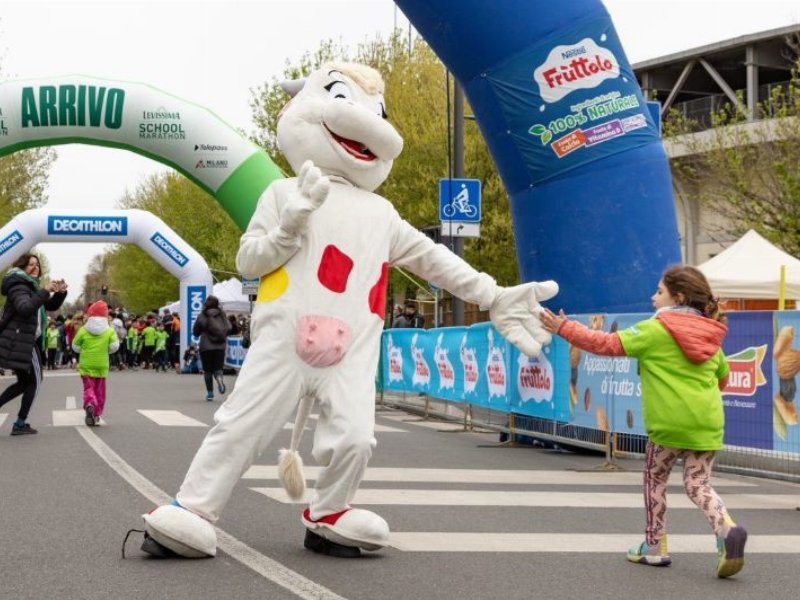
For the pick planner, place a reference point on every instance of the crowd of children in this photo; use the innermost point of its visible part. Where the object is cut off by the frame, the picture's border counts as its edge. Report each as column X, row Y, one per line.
column 102, row 339
column 147, row 342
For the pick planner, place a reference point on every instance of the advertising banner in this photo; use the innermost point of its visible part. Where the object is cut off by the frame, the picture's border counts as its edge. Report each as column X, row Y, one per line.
column 783, row 393
column 568, row 385
column 584, row 104
column 235, row 353
column 748, row 397
column 409, row 360
column 533, row 384
column 196, row 297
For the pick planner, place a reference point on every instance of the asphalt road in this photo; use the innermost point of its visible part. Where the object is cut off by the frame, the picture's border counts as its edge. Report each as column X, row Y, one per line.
column 469, row 520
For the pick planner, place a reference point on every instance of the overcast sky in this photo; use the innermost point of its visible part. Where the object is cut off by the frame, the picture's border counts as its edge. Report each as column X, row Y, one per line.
column 214, row 53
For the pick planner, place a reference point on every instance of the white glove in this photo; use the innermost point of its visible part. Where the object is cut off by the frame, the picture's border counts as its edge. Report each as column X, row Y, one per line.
column 312, row 190
column 515, row 314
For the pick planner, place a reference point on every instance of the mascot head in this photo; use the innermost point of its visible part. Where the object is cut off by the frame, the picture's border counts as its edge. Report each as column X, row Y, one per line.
column 337, row 118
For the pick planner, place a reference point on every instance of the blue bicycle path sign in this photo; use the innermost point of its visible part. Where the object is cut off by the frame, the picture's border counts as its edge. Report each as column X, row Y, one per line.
column 460, row 200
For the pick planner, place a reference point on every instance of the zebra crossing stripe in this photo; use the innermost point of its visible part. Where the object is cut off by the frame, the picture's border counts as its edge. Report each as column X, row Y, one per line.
column 378, row 428
column 494, row 476
column 553, row 499
column 171, row 418
column 3, row 418
column 583, row 543
column 68, row 418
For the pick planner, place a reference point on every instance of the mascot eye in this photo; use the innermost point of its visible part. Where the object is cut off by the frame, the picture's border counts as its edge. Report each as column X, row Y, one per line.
column 338, row 89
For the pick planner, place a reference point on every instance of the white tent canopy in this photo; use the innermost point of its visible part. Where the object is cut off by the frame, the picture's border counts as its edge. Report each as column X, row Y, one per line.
column 751, row 268
column 230, row 297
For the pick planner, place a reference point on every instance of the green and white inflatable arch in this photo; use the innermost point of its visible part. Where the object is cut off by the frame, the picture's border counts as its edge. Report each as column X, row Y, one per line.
column 140, row 118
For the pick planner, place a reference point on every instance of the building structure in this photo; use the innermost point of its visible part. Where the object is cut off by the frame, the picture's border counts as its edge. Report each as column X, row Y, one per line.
column 699, row 82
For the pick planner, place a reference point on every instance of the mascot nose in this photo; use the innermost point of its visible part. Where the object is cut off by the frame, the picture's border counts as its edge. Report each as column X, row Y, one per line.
column 355, row 122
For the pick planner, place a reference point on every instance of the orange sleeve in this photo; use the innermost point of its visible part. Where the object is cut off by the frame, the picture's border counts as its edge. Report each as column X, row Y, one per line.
column 596, row 342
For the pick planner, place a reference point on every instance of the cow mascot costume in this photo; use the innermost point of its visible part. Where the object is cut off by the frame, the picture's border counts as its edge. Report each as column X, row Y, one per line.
column 322, row 244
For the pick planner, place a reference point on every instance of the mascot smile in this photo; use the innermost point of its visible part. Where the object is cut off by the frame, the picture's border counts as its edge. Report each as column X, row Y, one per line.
column 322, row 244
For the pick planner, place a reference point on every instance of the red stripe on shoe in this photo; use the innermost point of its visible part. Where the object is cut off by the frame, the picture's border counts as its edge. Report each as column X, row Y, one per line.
column 327, row 519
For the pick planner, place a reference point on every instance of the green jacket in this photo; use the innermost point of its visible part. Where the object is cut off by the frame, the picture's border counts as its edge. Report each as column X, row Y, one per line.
column 94, row 343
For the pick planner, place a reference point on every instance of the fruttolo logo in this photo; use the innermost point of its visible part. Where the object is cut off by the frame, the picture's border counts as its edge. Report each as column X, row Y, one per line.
column 584, row 65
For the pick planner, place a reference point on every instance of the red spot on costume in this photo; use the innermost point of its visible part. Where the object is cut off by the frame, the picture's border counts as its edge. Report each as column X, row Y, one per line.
column 377, row 295
column 334, row 269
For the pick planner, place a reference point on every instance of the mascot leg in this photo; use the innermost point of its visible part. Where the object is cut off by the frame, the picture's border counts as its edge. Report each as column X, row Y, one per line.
column 343, row 443
column 263, row 399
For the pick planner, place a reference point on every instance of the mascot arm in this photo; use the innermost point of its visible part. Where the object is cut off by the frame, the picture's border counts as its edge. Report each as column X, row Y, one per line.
column 265, row 246
column 513, row 310
column 281, row 219
column 416, row 252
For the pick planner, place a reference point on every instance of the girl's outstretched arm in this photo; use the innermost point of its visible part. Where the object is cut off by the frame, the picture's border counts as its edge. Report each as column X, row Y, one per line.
column 577, row 334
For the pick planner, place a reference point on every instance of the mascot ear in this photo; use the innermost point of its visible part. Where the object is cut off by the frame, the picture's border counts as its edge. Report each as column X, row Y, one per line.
column 293, row 86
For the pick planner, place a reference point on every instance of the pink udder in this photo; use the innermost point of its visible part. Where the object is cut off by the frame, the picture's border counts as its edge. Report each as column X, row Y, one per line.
column 322, row 341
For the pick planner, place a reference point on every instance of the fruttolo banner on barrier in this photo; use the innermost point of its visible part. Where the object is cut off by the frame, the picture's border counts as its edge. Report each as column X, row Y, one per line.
column 475, row 365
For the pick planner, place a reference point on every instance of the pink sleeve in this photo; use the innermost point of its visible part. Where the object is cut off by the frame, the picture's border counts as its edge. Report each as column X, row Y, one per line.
column 596, row 342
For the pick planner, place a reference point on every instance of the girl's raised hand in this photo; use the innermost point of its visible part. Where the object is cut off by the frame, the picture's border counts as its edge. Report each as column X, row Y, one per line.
column 551, row 321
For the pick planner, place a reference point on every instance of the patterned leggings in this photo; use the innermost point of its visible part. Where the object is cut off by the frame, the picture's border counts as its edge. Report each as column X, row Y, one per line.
column 696, row 481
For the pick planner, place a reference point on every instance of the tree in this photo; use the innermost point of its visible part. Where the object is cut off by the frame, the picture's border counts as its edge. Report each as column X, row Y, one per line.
column 747, row 173
column 23, row 181
column 421, row 117
column 23, row 185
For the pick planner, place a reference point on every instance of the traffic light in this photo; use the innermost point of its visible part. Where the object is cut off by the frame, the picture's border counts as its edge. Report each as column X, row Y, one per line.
column 103, row 290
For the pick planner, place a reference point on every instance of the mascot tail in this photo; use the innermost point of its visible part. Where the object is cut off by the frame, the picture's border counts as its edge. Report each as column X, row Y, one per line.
column 290, row 464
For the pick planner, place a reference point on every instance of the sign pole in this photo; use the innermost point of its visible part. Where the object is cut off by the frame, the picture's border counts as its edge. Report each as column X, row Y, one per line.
column 458, row 172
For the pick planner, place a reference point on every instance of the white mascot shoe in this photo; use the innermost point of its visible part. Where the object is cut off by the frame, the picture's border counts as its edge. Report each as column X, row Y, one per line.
column 179, row 530
column 342, row 534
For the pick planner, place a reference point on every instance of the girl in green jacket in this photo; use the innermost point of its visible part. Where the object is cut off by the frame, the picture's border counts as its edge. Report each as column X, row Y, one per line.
column 94, row 342
column 683, row 371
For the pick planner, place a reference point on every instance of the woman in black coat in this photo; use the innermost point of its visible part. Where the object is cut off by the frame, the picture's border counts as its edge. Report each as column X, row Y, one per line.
column 24, row 321
column 212, row 327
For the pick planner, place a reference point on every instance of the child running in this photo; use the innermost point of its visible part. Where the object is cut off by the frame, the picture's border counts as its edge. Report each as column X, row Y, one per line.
column 94, row 342
column 683, row 369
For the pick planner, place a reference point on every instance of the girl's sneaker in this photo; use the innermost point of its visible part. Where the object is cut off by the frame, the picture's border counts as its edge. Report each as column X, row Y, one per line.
column 730, row 550
column 209, row 396
column 654, row 555
column 89, row 420
column 220, row 384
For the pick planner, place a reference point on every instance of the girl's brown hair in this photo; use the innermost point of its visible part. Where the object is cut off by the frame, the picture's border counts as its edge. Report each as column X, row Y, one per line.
column 693, row 286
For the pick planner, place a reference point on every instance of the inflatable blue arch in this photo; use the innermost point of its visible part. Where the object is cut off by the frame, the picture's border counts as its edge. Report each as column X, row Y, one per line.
column 568, row 127
column 554, row 95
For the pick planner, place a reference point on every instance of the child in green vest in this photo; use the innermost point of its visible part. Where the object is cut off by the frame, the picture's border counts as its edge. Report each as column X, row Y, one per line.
column 51, row 343
column 149, row 345
column 683, row 371
column 160, row 356
column 94, row 342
